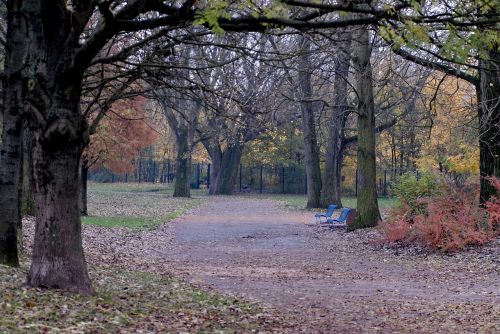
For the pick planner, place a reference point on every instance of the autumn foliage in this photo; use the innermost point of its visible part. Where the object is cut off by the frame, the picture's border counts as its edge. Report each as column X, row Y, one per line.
column 120, row 136
column 450, row 221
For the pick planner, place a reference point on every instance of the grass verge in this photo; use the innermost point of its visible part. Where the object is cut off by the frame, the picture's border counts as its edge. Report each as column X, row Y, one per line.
column 125, row 302
column 138, row 223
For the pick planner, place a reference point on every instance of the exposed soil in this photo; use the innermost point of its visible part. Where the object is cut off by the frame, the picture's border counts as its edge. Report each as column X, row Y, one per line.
column 322, row 280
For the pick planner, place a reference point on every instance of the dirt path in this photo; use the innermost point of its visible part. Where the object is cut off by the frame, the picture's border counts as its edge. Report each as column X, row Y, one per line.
column 324, row 281
column 331, row 280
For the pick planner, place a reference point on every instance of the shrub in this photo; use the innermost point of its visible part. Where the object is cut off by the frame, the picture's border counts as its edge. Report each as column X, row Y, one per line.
column 410, row 189
column 493, row 206
column 447, row 221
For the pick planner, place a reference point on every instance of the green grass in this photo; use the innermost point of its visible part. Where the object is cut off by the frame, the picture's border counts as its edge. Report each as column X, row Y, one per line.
column 299, row 201
column 135, row 222
column 125, row 302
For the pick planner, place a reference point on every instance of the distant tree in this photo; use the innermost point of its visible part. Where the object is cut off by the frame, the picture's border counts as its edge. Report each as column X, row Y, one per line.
column 117, row 140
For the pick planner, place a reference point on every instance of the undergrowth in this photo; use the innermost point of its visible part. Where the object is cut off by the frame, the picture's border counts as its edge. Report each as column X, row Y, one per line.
column 447, row 221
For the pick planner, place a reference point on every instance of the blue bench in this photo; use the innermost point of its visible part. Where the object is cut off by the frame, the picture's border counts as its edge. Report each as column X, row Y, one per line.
column 328, row 215
column 342, row 219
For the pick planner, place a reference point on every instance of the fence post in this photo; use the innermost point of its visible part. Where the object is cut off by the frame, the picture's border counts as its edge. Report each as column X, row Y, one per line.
column 241, row 168
column 385, row 183
column 168, row 171
column 305, row 183
column 208, row 176
column 154, row 172
column 283, row 180
column 198, row 171
column 126, row 177
column 356, row 186
column 260, row 188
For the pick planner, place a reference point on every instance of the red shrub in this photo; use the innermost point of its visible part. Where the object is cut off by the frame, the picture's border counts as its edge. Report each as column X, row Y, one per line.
column 450, row 222
column 493, row 207
column 397, row 226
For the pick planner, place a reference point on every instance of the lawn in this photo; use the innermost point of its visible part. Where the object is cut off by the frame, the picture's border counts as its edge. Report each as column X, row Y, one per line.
column 136, row 205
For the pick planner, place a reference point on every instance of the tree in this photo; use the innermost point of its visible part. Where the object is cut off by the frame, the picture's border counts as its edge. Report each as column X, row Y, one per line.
column 332, row 177
column 52, row 60
column 311, row 150
column 119, row 136
column 467, row 49
column 367, row 209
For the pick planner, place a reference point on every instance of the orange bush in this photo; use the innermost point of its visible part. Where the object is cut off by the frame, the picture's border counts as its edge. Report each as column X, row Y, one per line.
column 450, row 222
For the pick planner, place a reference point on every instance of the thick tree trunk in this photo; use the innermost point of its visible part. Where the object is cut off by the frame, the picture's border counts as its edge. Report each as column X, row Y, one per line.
column 28, row 197
column 488, row 95
column 10, row 152
column 183, row 164
column 58, row 259
column 368, row 213
column 215, row 153
column 229, row 173
column 311, row 150
column 84, row 175
column 224, row 169
column 332, row 176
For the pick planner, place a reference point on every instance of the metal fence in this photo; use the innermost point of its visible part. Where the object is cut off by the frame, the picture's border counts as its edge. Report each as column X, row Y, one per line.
column 251, row 179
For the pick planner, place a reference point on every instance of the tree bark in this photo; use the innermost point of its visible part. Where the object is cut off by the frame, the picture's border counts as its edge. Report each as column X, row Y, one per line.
column 183, row 163
column 215, row 153
column 10, row 154
column 368, row 213
column 28, row 197
column 229, row 172
column 84, row 175
column 224, row 169
column 311, row 150
column 488, row 95
column 58, row 258
column 332, row 177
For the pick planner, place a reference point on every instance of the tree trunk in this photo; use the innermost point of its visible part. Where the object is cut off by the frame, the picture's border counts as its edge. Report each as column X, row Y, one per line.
column 10, row 155
column 84, row 175
column 28, row 198
column 332, row 176
column 215, row 153
column 229, row 173
column 183, row 164
column 58, row 259
column 311, row 150
column 488, row 95
column 368, row 213
column 224, row 169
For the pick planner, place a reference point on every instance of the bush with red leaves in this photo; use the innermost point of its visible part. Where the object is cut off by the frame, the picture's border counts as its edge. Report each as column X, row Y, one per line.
column 451, row 221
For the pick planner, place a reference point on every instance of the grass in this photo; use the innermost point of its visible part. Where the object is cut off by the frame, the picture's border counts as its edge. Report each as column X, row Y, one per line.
column 299, row 201
column 134, row 222
column 125, row 302
column 135, row 205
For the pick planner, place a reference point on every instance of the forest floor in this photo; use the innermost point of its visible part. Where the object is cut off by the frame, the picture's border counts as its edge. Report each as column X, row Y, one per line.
column 307, row 278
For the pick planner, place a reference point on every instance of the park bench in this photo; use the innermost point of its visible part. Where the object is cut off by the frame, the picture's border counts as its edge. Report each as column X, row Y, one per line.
column 346, row 216
column 327, row 215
